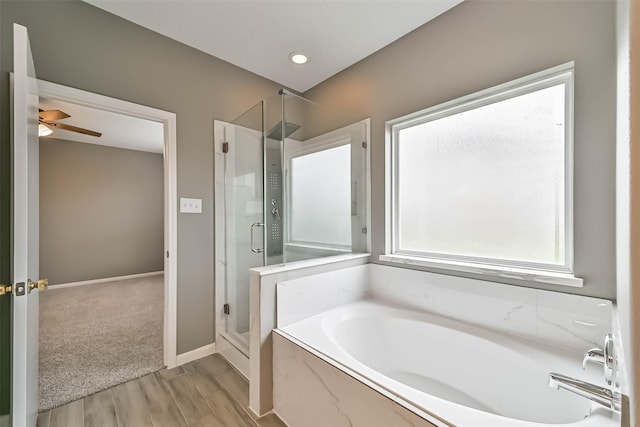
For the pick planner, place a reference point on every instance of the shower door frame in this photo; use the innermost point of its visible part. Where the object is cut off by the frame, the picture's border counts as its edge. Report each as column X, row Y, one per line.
column 225, row 343
column 222, row 344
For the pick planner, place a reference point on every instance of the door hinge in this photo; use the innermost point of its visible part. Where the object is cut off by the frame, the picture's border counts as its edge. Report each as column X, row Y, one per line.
column 225, row 147
column 5, row 289
column 364, row 230
column 226, row 309
column 364, row 144
column 167, row 254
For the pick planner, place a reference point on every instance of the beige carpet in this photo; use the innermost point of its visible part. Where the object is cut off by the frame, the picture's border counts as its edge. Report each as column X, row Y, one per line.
column 93, row 337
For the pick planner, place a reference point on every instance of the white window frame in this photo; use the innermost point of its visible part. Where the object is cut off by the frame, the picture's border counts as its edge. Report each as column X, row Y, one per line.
column 337, row 138
column 497, row 268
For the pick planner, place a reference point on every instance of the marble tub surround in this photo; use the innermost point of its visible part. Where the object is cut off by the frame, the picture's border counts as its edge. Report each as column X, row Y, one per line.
column 571, row 322
column 309, row 391
column 305, row 297
column 532, row 333
column 262, row 300
column 444, row 371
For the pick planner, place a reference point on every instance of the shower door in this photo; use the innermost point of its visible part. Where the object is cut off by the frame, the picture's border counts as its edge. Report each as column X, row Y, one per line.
column 244, row 218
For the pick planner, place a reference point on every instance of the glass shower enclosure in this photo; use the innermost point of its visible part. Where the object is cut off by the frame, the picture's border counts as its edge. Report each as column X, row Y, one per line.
column 294, row 189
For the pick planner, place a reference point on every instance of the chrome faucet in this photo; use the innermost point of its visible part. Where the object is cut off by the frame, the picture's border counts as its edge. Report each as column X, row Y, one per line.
column 602, row 357
column 602, row 395
column 605, row 396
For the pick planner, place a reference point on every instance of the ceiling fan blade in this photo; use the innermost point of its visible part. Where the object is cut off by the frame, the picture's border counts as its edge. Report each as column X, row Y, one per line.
column 73, row 128
column 53, row 115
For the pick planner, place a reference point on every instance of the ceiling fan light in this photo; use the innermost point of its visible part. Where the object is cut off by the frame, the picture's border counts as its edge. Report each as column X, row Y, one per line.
column 44, row 130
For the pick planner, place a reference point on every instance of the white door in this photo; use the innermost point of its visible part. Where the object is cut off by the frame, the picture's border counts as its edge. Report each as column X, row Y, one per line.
column 25, row 232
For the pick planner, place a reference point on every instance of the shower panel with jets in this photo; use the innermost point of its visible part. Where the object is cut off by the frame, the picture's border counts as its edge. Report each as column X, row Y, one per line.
column 294, row 189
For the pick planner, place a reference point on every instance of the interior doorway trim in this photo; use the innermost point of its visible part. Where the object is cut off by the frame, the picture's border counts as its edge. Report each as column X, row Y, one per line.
column 168, row 119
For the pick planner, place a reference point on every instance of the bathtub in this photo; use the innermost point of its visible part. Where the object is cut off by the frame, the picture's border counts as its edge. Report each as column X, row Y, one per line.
column 461, row 374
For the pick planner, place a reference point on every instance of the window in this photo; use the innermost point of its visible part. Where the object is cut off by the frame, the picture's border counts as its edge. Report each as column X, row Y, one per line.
column 484, row 182
column 321, row 197
column 326, row 194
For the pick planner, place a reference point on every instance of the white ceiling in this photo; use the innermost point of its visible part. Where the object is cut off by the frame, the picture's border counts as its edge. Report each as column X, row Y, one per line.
column 259, row 35
column 118, row 130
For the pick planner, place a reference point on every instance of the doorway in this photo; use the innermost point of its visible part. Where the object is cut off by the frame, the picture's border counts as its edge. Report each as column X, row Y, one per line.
column 167, row 123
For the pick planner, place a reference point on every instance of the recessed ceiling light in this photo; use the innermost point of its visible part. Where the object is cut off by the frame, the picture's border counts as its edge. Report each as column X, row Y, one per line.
column 298, row 57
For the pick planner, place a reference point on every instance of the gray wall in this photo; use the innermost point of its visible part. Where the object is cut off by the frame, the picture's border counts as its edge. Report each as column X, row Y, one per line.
column 479, row 44
column 101, row 211
column 476, row 45
column 78, row 45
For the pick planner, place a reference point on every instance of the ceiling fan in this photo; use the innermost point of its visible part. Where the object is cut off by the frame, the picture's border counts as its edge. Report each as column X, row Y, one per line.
column 46, row 120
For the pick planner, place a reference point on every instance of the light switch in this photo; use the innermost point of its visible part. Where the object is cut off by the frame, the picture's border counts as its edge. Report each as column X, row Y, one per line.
column 190, row 205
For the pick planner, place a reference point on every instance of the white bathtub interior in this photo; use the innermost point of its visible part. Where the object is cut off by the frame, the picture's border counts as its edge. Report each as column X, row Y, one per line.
column 475, row 349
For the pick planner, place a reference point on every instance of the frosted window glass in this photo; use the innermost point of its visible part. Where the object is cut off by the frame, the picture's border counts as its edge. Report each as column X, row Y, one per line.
column 321, row 197
column 487, row 182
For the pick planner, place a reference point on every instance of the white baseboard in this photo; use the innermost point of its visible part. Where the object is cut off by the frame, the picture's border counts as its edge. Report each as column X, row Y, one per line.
column 108, row 279
column 198, row 353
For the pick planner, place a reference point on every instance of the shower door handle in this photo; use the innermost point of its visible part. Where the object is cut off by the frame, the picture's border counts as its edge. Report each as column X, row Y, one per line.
column 253, row 248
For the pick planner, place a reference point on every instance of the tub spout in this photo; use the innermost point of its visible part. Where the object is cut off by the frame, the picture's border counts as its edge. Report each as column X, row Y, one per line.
column 601, row 395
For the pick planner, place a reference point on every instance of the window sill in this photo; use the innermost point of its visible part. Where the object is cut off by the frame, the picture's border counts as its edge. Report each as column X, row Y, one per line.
column 520, row 274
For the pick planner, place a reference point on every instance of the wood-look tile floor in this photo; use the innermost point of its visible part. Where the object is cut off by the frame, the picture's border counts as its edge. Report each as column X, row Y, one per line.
column 205, row 393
